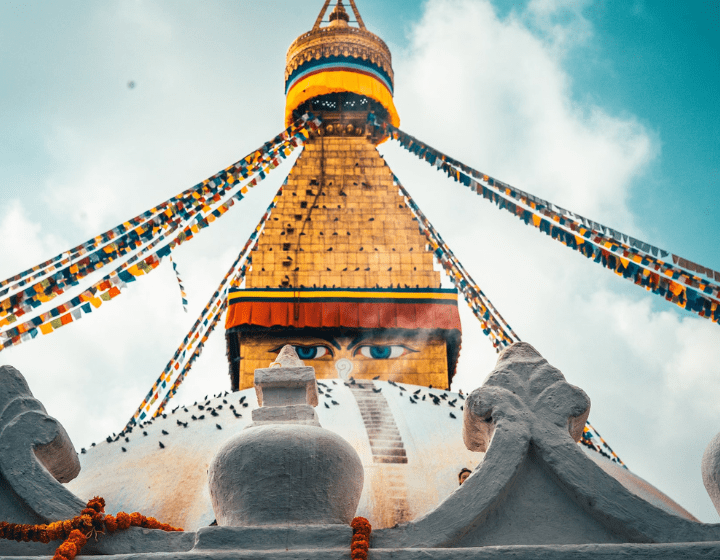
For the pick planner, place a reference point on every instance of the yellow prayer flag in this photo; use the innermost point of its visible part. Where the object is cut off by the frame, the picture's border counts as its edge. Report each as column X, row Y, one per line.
column 536, row 220
column 46, row 328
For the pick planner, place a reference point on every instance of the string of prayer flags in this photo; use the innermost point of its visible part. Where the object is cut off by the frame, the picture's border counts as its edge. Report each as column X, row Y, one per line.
column 491, row 322
column 209, row 316
column 112, row 284
column 635, row 260
column 591, row 438
column 183, row 295
column 186, row 206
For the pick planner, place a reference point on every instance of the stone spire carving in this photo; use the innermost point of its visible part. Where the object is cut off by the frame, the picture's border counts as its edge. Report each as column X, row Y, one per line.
column 284, row 469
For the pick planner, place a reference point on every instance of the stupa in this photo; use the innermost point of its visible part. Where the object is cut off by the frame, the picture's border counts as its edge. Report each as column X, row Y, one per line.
column 340, row 332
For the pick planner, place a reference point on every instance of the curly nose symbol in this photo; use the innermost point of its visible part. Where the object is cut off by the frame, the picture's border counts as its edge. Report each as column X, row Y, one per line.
column 344, row 368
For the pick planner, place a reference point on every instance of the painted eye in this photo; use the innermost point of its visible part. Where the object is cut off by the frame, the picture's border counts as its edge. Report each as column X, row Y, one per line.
column 311, row 352
column 382, row 352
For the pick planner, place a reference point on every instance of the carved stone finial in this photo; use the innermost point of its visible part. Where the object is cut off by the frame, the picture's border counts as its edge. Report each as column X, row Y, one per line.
column 287, row 358
column 526, row 392
column 36, row 455
column 711, row 471
column 285, row 468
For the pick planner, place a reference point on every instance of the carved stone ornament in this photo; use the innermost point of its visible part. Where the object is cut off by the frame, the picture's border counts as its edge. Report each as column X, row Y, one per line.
column 284, row 468
column 535, row 485
column 36, row 455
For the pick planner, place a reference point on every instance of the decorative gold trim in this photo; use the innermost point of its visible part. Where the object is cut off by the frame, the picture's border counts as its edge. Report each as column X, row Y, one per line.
column 338, row 41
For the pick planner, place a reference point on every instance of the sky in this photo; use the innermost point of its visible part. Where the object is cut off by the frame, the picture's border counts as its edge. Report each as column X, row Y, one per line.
column 606, row 108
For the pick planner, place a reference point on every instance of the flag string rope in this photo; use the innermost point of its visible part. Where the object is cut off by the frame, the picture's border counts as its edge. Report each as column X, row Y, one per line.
column 111, row 285
column 492, row 323
column 183, row 295
column 186, row 207
column 209, row 315
column 153, row 215
column 633, row 259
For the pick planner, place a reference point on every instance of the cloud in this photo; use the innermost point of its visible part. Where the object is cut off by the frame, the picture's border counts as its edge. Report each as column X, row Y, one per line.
column 497, row 94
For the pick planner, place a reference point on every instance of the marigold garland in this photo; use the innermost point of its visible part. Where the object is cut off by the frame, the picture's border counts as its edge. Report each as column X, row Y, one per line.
column 75, row 532
column 361, row 538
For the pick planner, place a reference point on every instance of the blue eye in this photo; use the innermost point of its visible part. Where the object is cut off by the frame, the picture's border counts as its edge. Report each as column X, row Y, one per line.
column 310, row 352
column 382, row 352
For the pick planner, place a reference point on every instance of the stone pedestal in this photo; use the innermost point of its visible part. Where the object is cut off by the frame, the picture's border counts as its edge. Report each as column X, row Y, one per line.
column 285, row 469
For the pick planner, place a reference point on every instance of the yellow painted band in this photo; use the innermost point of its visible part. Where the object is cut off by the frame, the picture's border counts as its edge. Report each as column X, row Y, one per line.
column 306, row 294
column 334, row 81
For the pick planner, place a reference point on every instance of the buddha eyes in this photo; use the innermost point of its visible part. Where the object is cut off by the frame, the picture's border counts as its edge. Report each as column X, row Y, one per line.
column 382, row 352
column 311, row 352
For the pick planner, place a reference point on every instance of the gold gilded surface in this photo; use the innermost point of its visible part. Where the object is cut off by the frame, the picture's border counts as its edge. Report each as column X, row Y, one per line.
column 415, row 359
column 342, row 223
column 338, row 41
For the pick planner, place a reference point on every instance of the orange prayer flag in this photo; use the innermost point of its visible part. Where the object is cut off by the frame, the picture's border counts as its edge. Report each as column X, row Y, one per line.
column 46, row 328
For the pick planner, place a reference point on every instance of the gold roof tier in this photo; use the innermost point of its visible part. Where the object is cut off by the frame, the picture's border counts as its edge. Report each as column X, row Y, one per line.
column 339, row 58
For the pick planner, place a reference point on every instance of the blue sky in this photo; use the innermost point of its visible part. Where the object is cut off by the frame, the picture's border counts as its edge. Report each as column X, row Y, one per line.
column 606, row 108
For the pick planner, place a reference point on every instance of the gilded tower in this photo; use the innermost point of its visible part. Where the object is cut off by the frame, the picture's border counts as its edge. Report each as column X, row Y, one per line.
column 341, row 270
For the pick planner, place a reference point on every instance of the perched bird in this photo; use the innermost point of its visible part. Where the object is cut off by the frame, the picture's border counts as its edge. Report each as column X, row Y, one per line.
column 451, row 403
column 462, row 407
column 326, row 405
column 201, row 407
column 242, row 400
column 108, row 439
column 436, row 403
column 161, row 445
column 127, row 439
column 368, row 268
column 245, row 405
column 201, row 417
column 232, row 407
column 218, row 426
column 164, row 415
column 376, row 377
column 334, row 402
column 423, row 397
column 237, row 415
column 411, row 400
column 360, row 386
column 218, row 407
column 224, row 401
column 213, row 413
column 178, row 423
column 377, row 390
column 345, row 269
column 164, row 433
column 371, row 220
column 452, row 415
column 82, row 450
column 124, row 450
column 358, row 268
column 417, row 392
column 194, row 417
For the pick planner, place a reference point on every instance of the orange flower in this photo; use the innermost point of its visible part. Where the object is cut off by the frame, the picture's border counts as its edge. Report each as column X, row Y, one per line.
column 136, row 519
column 68, row 549
column 123, row 520
column 78, row 538
column 110, row 523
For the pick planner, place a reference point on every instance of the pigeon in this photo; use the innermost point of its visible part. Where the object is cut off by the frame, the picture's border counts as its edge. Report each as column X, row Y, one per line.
column 164, row 433
column 161, row 445
column 326, row 405
column 218, row 407
column 108, row 439
column 452, row 415
column 178, row 423
column 213, row 413
column 334, row 402
column 224, row 401
column 202, row 417
column 164, row 415
column 451, row 404
column 417, row 392
column 218, row 426
column 436, row 403
column 92, row 445
column 360, row 386
column 423, row 397
column 245, row 405
column 124, row 450
column 184, row 424
column 194, row 417
column 242, row 400
column 412, row 401
column 358, row 268
column 82, row 451
column 127, row 439
column 462, row 407
column 376, row 377
column 237, row 415
column 371, row 220
column 232, row 407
